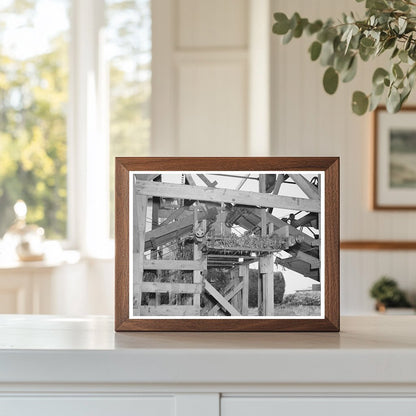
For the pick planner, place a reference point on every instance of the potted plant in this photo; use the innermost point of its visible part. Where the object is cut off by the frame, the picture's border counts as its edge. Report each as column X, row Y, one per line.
column 387, row 294
column 389, row 27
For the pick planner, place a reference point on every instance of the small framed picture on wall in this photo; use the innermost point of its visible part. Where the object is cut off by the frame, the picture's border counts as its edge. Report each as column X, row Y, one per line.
column 394, row 177
column 227, row 244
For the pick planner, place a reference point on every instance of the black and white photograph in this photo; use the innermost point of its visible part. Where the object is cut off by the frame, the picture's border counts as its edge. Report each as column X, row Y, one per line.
column 226, row 244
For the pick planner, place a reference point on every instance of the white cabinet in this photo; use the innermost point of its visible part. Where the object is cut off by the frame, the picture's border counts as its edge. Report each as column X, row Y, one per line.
column 79, row 366
column 88, row 406
column 272, row 406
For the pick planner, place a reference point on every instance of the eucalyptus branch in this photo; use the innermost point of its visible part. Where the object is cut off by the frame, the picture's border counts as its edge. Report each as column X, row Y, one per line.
column 389, row 25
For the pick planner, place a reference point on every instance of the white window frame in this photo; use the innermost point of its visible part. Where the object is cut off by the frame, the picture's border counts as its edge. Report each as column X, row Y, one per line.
column 88, row 138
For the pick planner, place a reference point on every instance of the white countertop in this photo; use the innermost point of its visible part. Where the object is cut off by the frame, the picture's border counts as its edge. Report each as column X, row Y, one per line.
column 52, row 349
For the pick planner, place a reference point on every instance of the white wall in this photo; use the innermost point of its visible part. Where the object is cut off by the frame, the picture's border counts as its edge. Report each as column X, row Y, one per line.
column 204, row 91
column 308, row 122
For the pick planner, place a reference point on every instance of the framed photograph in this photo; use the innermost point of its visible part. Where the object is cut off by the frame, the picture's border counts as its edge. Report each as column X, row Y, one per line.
column 227, row 244
column 394, row 159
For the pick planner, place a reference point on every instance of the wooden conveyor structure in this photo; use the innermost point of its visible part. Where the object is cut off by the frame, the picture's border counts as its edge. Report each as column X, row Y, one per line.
column 181, row 231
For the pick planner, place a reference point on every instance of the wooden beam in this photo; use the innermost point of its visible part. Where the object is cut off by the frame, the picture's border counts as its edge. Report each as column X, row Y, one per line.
column 266, row 271
column 279, row 180
column 174, row 215
column 190, row 179
column 244, row 273
column 141, row 211
column 169, row 310
column 308, row 188
column 262, row 189
column 175, row 264
column 314, row 262
column 228, row 296
column 207, row 181
column 293, row 231
column 197, row 278
column 231, row 196
column 176, row 228
column 235, row 279
column 174, row 287
column 220, row 299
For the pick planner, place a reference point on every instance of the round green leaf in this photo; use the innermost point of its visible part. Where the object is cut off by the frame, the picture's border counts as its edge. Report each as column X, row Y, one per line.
column 379, row 75
column 314, row 27
column 330, row 80
column 359, row 103
column 282, row 26
column 315, row 50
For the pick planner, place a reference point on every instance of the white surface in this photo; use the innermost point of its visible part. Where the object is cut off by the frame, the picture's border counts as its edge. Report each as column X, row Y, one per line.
column 47, row 349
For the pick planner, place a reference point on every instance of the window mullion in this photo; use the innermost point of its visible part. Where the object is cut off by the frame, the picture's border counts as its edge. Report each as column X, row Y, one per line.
column 88, row 136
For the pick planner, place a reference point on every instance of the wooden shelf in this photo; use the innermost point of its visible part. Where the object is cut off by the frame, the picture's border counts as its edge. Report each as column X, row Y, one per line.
column 378, row 245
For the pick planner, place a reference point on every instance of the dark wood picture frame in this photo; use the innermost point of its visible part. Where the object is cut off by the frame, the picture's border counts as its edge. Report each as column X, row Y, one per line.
column 377, row 206
column 329, row 165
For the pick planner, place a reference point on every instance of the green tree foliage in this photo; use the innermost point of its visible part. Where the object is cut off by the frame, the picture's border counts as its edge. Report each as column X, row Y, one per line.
column 33, row 97
column 389, row 27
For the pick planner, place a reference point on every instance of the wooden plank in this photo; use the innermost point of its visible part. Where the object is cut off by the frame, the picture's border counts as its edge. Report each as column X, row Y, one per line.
column 292, row 230
column 262, row 189
column 309, row 189
column 207, row 181
column 152, row 264
column 176, row 228
column 138, row 257
column 244, row 273
column 314, row 262
column 155, row 224
column 220, row 299
column 169, row 310
column 266, row 270
column 174, row 215
column 171, row 287
column 227, row 297
column 235, row 280
column 231, row 196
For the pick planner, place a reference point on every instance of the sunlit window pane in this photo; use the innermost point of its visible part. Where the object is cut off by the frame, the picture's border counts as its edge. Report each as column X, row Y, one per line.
column 129, row 57
column 33, row 102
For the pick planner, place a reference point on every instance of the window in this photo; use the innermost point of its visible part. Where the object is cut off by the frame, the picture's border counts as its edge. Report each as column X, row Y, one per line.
column 75, row 87
column 129, row 46
column 33, row 98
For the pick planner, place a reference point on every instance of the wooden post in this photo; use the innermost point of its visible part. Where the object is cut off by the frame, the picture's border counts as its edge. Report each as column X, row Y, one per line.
column 235, row 279
column 141, row 211
column 266, row 273
column 261, row 289
column 244, row 273
column 153, row 253
column 197, row 279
